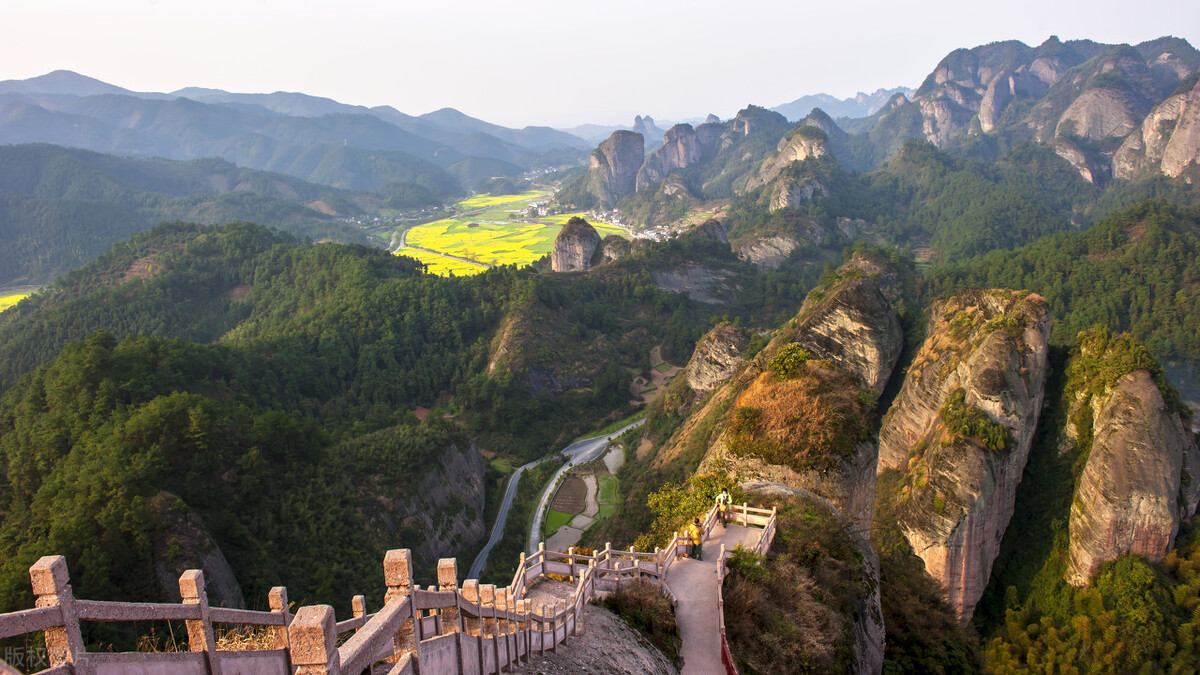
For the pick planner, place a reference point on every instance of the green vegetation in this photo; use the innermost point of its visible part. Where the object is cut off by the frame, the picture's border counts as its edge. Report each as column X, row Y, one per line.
column 788, row 362
column 675, row 505
column 606, row 495
column 645, row 607
column 555, row 520
column 793, row 611
column 964, row 421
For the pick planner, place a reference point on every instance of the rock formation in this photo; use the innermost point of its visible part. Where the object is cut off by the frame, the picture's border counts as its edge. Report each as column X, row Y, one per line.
column 646, row 127
column 614, row 246
column 614, row 166
column 856, row 328
column 1077, row 158
column 1168, row 140
column 183, row 543
column 711, row 229
column 985, row 361
column 770, row 252
column 1100, row 114
column 716, row 357
column 457, row 478
column 796, row 146
column 680, row 149
column 574, row 246
column 1142, row 476
column 789, row 193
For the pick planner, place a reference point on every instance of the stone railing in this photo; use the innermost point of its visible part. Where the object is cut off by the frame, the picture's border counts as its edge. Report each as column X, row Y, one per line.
column 749, row 517
column 472, row 629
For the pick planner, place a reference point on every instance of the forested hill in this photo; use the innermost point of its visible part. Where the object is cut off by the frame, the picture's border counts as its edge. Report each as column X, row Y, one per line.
column 61, row 207
column 1137, row 270
column 255, row 388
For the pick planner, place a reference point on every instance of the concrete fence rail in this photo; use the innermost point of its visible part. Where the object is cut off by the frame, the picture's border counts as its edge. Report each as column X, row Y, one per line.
column 447, row 629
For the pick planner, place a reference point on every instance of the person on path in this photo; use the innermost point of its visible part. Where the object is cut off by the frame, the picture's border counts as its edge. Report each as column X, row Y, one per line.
column 723, row 501
column 694, row 535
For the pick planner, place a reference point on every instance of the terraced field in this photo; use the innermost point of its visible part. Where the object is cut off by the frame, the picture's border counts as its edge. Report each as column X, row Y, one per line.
column 485, row 233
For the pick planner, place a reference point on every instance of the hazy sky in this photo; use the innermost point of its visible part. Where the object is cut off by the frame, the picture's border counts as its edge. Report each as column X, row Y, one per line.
column 541, row 61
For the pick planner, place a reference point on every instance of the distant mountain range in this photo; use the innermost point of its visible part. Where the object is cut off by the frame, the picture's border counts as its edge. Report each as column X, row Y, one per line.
column 860, row 105
column 316, row 139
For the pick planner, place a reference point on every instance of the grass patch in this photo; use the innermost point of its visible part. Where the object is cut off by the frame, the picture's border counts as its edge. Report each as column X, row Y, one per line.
column 606, row 495
column 645, row 608
column 663, row 367
column 556, row 519
column 503, row 465
column 7, row 301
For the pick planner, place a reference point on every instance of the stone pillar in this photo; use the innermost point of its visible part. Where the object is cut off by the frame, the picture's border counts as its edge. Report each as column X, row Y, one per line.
column 51, row 588
column 397, row 574
column 313, row 636
column 200, row 631
column 487, row 605
column 278, row 601
column 471, row 625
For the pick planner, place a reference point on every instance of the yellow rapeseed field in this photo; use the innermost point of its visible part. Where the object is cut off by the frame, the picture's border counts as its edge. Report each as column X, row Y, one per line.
column 7, row 301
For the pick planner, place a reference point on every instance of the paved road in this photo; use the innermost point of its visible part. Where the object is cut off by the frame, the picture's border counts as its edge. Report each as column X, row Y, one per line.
column 694, row 583
column 501, row 519
column 579, row 452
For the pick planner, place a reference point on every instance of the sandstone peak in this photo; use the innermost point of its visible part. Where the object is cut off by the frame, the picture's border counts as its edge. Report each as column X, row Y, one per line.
column 574, row 246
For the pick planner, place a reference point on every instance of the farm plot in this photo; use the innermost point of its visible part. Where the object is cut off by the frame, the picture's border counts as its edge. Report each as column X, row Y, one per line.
column 11, row 299
column 441, row 265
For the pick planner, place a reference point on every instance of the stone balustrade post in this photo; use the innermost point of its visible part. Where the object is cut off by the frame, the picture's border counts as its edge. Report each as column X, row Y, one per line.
column 745, row 514
column 277, row 599
column 200, row 631
column 358, row 609
column 658, row 564
column 397, row 574
column 51, row 588
column 313, row 636
column 487, row 599
column 447, row 576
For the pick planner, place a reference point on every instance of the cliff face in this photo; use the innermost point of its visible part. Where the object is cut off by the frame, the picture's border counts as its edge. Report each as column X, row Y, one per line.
column 789, row 193
column 680, row 149
column 446, row 509
column 614, row 246
column 574, row 246
column 1168, row 140
column 984, row 359
column 1100, row 114
column 716, row 357
column 183, row 543
column 614, row 166
column 1132, row 494
column 856, row 328
column 797, row 145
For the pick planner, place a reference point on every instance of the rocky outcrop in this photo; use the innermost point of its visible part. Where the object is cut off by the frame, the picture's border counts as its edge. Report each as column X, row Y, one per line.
column 798, row 145
column 700, row 283
column 768, row 253
column 1077, row 158
column 789, row 192
column 711, row 229
column 614, row 246
column 647, row 128
column 574, row 246
column 614, row 166
column 680, row 149
column 1100, row 114
column 1168, row 141
column 183, row 543
column 856, row 328
column 985, row 360
column 716, row 357
column 1129, row 498
column 445, row 509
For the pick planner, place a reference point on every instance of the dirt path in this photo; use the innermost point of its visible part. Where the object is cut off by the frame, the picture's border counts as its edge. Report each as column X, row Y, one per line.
column 694, row 583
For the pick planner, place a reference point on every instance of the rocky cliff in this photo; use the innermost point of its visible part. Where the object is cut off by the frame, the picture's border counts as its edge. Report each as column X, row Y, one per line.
column 574, row 246
column 807, row 432
column 614, row 165
column 443, row 516
column 1129, row 498
column 716, row 357
column 183, row 543
column 1167, row 141
column 796, row 146
column 680, row 149
column 612, row 247
column 960, row 432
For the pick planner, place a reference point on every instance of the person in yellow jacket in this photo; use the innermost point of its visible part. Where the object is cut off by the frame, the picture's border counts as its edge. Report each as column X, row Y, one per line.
column 694, row 534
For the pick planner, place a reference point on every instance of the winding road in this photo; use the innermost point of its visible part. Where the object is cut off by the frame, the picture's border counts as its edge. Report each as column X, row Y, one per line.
column 579, row 452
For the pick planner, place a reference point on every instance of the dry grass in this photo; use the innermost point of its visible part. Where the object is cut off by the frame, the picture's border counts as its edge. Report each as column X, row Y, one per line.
column 233, row 639
column 806, row 422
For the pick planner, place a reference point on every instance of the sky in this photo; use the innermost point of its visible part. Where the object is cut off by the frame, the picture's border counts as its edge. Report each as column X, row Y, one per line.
column 546, row 62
